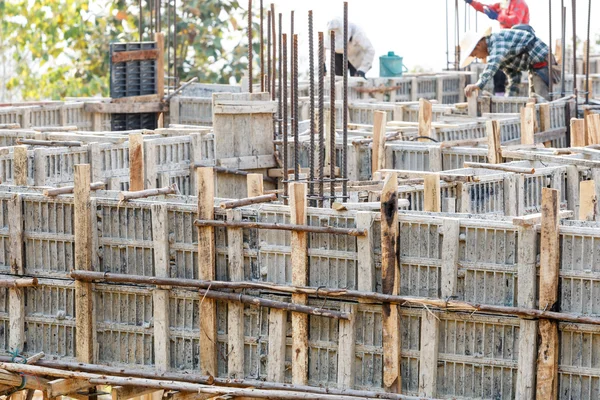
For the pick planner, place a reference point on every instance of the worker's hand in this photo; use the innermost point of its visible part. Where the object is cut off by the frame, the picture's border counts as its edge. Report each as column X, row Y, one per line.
column 468, row 1
column 490, row 13
column 470, row 89
column 361, row 74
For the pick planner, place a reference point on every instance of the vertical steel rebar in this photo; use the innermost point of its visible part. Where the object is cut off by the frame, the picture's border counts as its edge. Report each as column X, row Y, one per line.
column 262, row 49
column 564, row 49
column 291, row 55
column 175, row 73
column 311, row 77
column 574, row 5
column 249, row 46
column 332, row 120
column 279, row 78
column 447, row 39
column 457, row 37
column 267, row 85
column 344, row 171
column 169, row 42
column 550, row 58
column 273, row 91
column 295, row 112
column 285, row 117
column 587, row 61
column 321, row 117
column 141, row 21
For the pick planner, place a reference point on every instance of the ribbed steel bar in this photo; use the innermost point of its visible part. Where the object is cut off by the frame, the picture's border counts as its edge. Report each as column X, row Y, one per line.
column 250, row 46
column 311, row 78
column 175, row 73
column 332, row 120
column 273, row 91
column 574, row 9
column 291, row 56
column 262, row 48
column 279, row 80
column 344, row 171
column 321, row 117
column 295, row 111
column 564, row 48
column 550, row 58
column 169, row 44
column 269, row 76
column 285, row 118
column 587, row 55
column 141, row 22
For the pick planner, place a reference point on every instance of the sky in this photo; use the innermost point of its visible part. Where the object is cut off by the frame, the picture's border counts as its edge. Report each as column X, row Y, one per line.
column 416, row 29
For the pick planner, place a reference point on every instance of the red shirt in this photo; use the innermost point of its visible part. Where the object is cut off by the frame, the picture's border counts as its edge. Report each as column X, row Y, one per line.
column 516, row 13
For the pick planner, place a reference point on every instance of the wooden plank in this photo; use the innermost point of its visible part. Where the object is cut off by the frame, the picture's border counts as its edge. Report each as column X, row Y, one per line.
column 347, row 348
column 277, row 342
column 63, row 387
column 587, row 199
column 255, row 185
column 147, row 98
column 472, row 104
column 127, row 108
column 593, row 128
column 129, row 392
column 450, row 246
column 493, row 141
column 572, row 188
column 20, row 165
column 545, row 117
column 577, row 132
column 136, row 162
column 547, row 365
column 298, row 209
column 15, row 233
column 160, row 296
column 379, row 124
column 16, row 314
column 392, row 378
column 432, row 193
column 528, row 117
column 135, row 55
column 159, row 38
column 83, row 261
column 366, row 258
column 206, row 271
column 235, row 310
column 425, row 118
column 428, row 357
column 248, row 162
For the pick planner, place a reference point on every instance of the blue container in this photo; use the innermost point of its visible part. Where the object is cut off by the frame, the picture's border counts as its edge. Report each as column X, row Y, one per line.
column 391, row 66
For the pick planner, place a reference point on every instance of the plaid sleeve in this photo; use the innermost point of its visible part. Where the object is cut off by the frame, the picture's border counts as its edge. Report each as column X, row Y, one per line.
column 493, row 65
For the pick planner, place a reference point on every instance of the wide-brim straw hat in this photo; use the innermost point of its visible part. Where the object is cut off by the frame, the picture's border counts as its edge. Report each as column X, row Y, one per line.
column 468, row 44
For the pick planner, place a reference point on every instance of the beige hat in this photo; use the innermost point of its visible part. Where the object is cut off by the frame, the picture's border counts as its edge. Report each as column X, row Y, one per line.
column 468, row 44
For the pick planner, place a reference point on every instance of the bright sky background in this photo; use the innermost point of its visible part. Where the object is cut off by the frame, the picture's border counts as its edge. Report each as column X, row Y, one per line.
column 416, row 29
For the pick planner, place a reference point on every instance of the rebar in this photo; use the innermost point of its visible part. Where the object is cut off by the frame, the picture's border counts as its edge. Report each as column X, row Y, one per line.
column 564, row 49
column 292, row 55
column 249, row 46
column 273, row 91
column 457, row 37
column 332, row 120
column 280, row 91
column 262, row 49
column 345, row 110
column 587, row 56
column 574, row 5
column 141, row 21
column 321, row 117
column 267, row 87
column 169, row 42
column 447, row 39
column 550, row 58
column 285, row 118
column 311, row 78
column 295, row 111
column 175, row 72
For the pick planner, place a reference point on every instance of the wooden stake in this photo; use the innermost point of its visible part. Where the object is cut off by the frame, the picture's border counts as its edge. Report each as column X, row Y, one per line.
column 83, row 261
column 425, row 118
column 528, row 117
column 136, row 162
column 547, row 366
column 20, row 165
column 235, row 310
column 277, row 339
column 392, row 378
column 206, row 270
column 472, row 104
column 494, row 143
column 587, row 199
column 450, row 246
column 545, row 117
column 428, row 363
column 379, row 125
column 347, row 348
column 298, row 209
column 255, row 185
column 432, row 193
column 160, row 236
column 577, row 132
column 366, row 257
column 593, row 128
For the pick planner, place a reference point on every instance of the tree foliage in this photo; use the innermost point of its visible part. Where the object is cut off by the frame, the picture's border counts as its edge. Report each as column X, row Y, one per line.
column 60, row 48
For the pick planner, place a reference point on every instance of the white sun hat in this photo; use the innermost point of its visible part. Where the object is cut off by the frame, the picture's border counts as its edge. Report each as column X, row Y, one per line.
column 468, row 44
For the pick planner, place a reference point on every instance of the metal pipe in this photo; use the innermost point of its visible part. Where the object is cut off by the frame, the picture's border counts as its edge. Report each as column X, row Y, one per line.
column 321, row 117
column 250, row 46
column 587, row 57
column 285, row 119
column 262, row 49
column 332, row 120
column 311, row 77
column 574, row 6
column 344, row 170
column 295, row 111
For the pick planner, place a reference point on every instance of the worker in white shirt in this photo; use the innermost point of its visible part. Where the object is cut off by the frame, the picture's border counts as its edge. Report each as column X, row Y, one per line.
column 360, row 50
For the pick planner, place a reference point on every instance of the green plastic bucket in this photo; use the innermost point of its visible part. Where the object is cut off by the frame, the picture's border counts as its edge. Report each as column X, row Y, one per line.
column 391, row 66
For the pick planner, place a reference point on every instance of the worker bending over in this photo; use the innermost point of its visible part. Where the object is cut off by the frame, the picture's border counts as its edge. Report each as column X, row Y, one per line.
column 360, row 50
column 512, row 51
column 508, row 13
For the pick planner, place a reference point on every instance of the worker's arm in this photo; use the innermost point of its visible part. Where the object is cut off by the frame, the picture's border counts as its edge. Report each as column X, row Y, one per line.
column 513, row 79
column 479, row 7
column 490, row 70
column 368, row 52
column 510, row 18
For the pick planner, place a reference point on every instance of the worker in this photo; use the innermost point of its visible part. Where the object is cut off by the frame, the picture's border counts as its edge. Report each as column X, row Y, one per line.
column 513, row 51
column 508, row 13
column 360, row 50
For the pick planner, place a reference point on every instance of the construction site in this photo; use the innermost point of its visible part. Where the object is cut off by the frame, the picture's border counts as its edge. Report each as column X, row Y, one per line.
column 305, row 234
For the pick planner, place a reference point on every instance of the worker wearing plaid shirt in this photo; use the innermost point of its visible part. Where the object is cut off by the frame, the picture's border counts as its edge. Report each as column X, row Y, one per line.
column 513, row 51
